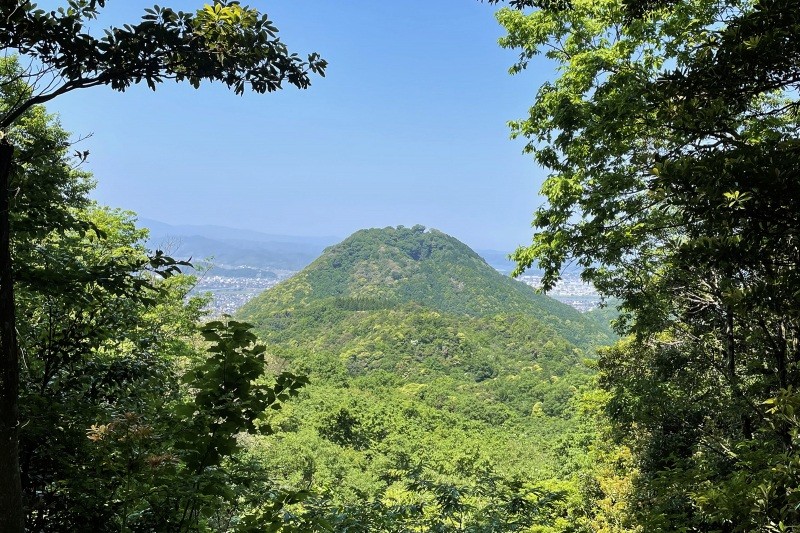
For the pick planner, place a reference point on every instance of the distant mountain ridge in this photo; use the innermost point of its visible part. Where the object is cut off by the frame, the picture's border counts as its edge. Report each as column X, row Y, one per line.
column 231, row 248
column 212, row 231
column 235, row 247
column 497, row 259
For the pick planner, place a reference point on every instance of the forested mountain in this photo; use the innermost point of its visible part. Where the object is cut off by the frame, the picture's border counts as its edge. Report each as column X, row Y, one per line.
column 404, row 385
column 431, row 374
column 391, row 267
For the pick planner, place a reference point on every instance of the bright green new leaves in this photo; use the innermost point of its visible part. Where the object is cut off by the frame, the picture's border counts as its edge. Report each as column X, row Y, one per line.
column 229, row 398
column 48, row 185
column 671, row 141
column 219, row 23
column 594, row 130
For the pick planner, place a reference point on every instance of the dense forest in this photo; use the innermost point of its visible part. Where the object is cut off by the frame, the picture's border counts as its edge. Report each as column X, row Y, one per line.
column 399, row 383
column 443, row 395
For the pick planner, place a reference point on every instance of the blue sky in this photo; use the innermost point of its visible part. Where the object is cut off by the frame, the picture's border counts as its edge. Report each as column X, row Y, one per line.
column 408, row 127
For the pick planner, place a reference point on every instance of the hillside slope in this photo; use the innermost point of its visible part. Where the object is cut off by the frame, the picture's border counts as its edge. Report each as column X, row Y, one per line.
column 393, row 267
column 424, row 361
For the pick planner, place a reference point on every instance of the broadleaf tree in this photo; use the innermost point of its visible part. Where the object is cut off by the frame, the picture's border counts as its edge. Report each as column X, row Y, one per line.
column 223, row 41
column 670, row 138
column 128, row 417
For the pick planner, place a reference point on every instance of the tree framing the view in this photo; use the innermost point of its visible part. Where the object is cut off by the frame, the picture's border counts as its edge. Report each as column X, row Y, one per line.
column 670, row 138
column 223, row 41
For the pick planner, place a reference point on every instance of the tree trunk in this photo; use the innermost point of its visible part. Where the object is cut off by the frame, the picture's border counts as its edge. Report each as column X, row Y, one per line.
column 11, row 515
column 730, row 346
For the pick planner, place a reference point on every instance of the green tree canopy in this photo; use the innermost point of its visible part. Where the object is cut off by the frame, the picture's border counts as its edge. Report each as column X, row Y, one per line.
column 129, row 416
column 671, row 143
column 223, row 41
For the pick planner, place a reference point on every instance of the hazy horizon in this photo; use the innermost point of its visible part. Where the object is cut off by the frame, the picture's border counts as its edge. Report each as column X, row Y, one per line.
column 408, row 127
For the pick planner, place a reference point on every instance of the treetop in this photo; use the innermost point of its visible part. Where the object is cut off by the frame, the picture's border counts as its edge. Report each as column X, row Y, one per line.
column 223, row 41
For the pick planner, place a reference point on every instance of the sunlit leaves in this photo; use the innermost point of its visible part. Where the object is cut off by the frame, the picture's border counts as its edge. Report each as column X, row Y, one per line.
column 223, row 41
column 669, row 138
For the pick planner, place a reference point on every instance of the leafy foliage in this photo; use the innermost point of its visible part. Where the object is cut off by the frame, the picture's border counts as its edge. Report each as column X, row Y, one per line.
column 130, row 420
column 671, row 141
column 223, row 41
column 444, row 396
column 126, row 425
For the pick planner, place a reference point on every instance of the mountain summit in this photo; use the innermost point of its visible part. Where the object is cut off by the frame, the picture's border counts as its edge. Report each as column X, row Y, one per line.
column 397, row 267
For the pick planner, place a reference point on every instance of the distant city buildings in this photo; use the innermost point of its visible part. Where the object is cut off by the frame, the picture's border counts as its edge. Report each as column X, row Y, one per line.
column 230, row 293
column 570, row 290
